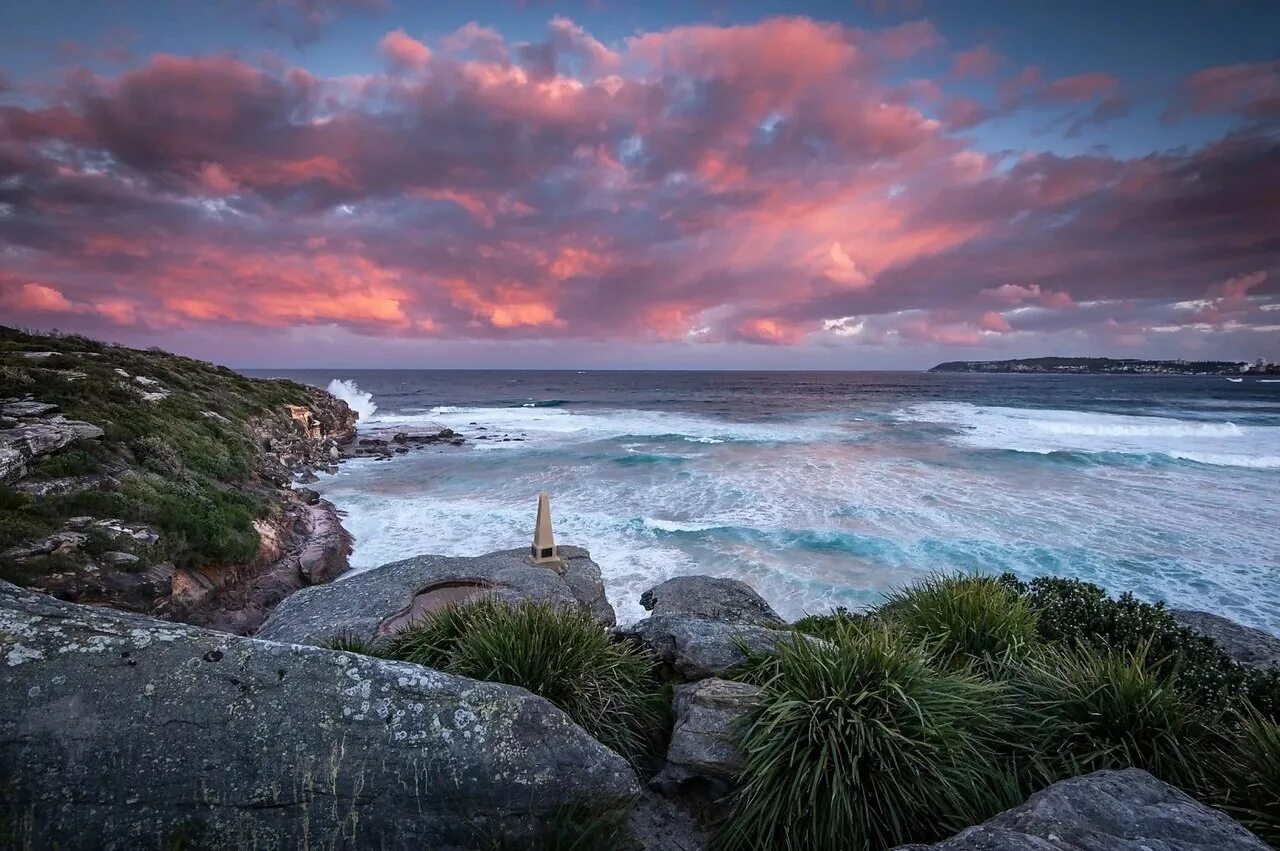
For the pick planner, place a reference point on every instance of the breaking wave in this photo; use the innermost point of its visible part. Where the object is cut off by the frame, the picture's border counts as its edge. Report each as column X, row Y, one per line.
column 357, row 400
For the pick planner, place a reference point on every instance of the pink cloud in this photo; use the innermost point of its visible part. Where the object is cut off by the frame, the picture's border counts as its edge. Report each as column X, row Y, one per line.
column 750, row 183
column 980, row 61
column 404, row 52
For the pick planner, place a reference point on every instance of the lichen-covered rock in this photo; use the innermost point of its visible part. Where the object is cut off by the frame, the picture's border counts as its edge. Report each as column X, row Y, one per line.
column 119, row 731
column 1105, row 811
column 705, row 747
column 29, row 440
column 696, row 649
column 379, row 601
column 710, row 598
column 1247, row 645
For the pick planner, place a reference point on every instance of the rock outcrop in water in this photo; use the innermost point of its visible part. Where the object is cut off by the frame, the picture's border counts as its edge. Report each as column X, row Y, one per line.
column 375, row 603
column 127, row 732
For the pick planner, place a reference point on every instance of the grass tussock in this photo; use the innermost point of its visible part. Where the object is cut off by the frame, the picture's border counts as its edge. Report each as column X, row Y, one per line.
column 964, row 620
column 862, row 742
column 961, row 696
column 608, row 687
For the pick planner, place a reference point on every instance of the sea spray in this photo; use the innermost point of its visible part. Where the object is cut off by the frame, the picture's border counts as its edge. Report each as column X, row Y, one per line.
column 359, row 401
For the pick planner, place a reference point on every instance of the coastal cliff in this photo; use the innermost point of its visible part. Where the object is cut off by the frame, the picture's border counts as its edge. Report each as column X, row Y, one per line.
column 160, row 484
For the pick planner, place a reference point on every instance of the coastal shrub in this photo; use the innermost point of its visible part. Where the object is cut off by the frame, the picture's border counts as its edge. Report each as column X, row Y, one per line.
column 964, row 620
column 826, row 625
column 608, row 687
column 1080, row 614
column 1088, row 709
column 1249, row 783
column 861, row 742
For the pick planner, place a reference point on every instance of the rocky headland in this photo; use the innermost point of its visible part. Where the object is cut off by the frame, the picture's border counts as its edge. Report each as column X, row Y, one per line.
column 164, row 485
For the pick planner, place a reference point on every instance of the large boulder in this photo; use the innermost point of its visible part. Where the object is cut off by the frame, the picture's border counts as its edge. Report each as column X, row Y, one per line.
column 121, row 731
column 1105, row 811
column 710, row 598
column 377, row 602
column 705, row 750
column 696, row 649
column 1247, row 645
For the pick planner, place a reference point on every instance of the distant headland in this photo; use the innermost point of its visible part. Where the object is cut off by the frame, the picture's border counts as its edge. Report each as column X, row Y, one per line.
column 1108, row 366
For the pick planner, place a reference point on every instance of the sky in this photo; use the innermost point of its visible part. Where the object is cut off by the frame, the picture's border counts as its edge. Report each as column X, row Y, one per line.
column 865, row 184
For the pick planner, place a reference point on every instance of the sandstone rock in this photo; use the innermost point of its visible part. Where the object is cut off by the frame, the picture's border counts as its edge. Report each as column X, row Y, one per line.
column 64, row 540
column 30, row 440
column 68, row 484
column 119, row 731
column 1247, row 645
column 118, row 559
column 704, row 749
column 697, row 649
column 25, row 408
column 1105, row 811
column 710, row 598
column 379, row 601
column 304, row 545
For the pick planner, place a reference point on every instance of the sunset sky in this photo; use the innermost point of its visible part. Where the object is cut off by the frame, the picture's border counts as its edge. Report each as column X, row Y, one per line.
column 845, row 185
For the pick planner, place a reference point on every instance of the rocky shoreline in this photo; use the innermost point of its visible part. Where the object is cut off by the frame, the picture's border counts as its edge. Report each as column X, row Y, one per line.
column 142, row 733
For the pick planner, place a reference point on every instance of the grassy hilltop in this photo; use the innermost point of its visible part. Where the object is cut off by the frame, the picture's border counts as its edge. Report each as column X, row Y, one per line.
column 191, row 459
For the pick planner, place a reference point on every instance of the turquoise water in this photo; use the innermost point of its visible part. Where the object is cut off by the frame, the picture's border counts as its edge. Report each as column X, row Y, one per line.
column 825, row 489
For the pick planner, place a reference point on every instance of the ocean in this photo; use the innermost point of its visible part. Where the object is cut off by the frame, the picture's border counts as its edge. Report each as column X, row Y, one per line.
column 827, row 489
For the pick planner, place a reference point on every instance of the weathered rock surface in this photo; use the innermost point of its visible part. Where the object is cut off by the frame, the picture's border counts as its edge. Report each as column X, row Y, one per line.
column 697, row 649
column 710, row 598
column 1247, row 645
column 118, row 731
column 657, row 824
column 705, row 739
column 1105, row 811
column 30, row 439
column 378, row 601
column 306, row 545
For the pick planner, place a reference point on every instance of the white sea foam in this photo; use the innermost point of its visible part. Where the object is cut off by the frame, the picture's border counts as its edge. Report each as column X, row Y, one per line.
column 660, row 525
column 1045, row 430
column 359, row 401
column 558, row 425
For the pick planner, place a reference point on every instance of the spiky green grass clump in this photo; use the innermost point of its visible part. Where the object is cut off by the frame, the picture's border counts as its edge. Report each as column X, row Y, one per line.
column 1088, row 710
column 964, row 620
column 1249, row 780
column 348, row 641
column 860, row 742
column 826, row 625
column 608, row 687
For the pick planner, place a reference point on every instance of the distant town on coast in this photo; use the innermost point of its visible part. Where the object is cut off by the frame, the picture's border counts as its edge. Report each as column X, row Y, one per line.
column 1100, row 366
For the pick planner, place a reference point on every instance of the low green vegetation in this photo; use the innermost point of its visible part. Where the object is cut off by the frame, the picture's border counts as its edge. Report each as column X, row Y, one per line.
column 189, row 465
column 862, row 742
column 956, row 699
column 606, row 686
column 960, row 696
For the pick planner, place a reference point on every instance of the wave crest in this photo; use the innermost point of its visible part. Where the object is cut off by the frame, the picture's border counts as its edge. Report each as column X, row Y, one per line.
column 357, row 400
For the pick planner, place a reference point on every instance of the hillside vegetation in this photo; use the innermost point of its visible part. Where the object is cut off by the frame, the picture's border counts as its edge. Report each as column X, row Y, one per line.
column 119, row 459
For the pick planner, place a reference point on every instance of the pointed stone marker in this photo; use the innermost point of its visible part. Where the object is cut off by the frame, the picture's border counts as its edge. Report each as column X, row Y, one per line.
column 544, row 545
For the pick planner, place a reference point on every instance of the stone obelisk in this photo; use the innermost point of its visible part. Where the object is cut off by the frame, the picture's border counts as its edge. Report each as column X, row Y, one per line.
column 544, row 545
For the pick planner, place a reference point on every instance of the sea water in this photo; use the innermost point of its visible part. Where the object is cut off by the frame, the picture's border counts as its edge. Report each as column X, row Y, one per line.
column 827, row 489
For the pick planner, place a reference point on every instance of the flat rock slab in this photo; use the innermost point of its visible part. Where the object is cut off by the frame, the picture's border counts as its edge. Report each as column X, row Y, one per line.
column 366, row 604
column 1105, row 811
column 27, row 441
column 697, row 649
column 1247, row 645
column 710, row 598
column 120, row 731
